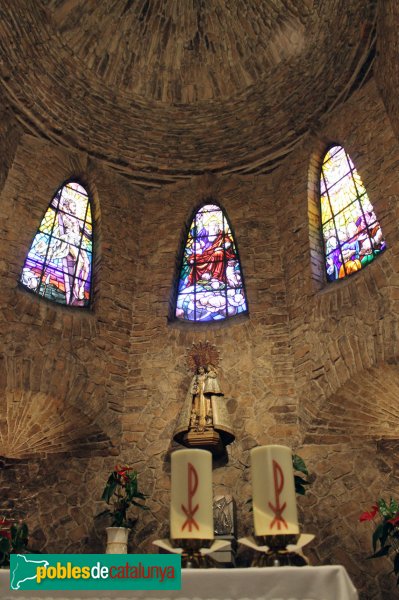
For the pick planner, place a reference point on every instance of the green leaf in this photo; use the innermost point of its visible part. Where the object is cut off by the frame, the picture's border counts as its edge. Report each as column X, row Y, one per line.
column 300, row 482
column 396, row 564
column 386, row 529
column 24, row 531
column 130, row 523
column 3, row 559
column 110, row 487
column 143, row 506
column 299, row 464
column 377, row 535
column 383, row 507
column 119, row 518
column 382, row 552
column 394, row 506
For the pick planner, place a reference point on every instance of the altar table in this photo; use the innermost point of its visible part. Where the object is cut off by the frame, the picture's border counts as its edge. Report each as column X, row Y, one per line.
column 272, row 583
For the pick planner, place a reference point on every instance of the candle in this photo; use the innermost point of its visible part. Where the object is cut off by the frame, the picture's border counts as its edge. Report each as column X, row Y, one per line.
column 191, row 515
column 273, row 491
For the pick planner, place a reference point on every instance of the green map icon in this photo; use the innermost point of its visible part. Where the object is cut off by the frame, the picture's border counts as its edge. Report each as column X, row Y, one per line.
column 24, row 569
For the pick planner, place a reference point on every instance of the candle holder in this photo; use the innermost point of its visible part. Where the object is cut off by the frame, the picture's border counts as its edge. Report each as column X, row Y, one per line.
column 277, row 554
column 278, row 550
column 195, row 553
column 191, row 556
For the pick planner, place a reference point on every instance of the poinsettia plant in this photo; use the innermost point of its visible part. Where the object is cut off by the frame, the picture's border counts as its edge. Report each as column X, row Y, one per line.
column 121, row 492
column 385, row 538
column 13, row 539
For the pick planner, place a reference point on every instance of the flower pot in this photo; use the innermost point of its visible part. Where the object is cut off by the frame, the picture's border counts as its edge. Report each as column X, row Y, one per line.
column 117, row 540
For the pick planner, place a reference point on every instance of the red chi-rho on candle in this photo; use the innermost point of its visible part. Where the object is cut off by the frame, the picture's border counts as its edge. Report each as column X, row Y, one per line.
column 273, row 491
column 191, row 515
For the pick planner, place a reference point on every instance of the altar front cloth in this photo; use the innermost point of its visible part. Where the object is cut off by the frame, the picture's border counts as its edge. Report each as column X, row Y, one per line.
column 272, row 583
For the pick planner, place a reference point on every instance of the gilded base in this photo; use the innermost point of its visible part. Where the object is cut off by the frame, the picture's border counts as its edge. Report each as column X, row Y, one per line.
column 191, row 557
column 209, row 439
column 277, row 555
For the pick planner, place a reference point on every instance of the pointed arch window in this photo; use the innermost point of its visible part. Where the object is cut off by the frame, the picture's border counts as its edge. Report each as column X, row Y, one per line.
column 352, row 235
column 59, row 263
column 210, row 286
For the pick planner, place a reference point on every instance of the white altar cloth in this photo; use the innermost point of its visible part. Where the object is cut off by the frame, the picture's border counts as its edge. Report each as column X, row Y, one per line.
column 271, row 583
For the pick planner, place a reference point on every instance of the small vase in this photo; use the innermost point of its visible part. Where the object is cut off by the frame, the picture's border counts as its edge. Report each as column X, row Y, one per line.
column 117, row 540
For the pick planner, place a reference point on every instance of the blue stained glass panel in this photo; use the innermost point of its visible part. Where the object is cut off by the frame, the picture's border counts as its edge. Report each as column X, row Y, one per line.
column 351, row 233
column 210, row 286
column 59, row 263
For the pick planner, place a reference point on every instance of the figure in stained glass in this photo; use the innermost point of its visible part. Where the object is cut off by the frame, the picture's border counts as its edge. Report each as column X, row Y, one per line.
column 210, row 284
column 58, row 265
column 352, row 235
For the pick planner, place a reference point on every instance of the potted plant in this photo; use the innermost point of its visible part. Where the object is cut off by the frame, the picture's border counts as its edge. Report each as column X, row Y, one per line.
column 385, row 537
column 13, row 540
column 121, row 492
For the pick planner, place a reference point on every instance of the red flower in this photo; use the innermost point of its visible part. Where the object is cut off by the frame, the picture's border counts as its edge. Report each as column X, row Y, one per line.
column 121, row 471
column 369, row 516
column 394, row 521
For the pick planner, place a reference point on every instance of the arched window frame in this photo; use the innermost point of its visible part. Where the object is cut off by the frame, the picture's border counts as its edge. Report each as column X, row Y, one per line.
column 179, row 262
column 316, row 237
column 89, row 306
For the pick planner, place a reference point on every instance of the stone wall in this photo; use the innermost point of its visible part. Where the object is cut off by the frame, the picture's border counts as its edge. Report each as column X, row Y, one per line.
column 344, row 338
column 387, row 68
column 256, row 363
column 10, row 134
column 63, row 372
column 313, row 366
column 83, row 390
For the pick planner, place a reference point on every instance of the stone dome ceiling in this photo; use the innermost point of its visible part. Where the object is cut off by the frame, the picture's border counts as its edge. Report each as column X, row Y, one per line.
column 162, row 89
column 183, row 52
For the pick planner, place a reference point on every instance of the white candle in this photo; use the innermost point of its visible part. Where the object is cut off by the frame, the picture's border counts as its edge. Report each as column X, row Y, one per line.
column 191, row 513
column 273, row 491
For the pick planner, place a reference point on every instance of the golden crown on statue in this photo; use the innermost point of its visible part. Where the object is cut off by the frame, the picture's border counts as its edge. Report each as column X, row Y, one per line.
column 202, row 354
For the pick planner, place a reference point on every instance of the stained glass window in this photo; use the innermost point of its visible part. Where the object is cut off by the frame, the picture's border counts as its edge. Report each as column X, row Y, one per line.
column 210, row 286
column 59, row 263
column 351, row 232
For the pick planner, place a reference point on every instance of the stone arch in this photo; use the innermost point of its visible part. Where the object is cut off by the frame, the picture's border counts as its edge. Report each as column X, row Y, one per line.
column 314, row 217
column 47, row 408
column 363, row 408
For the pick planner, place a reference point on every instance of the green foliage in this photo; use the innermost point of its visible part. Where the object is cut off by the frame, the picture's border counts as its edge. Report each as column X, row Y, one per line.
column 122, row 491
column 385, row 537
column 13, row 541
column 299, row 464
column 300, row 482
column 388, row 511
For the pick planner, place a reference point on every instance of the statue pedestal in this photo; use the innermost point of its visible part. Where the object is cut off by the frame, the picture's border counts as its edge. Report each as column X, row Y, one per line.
column 209, row 439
